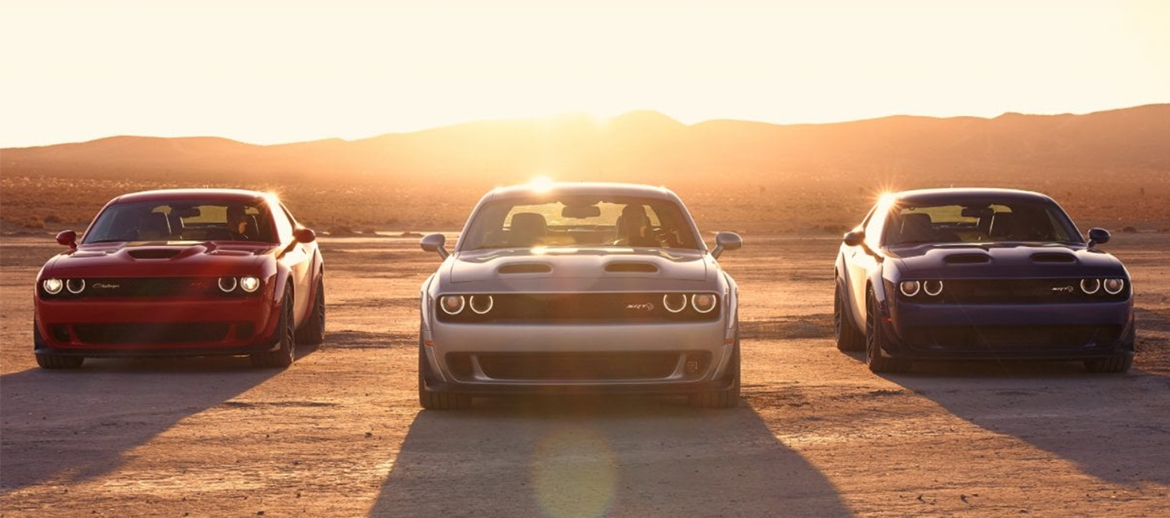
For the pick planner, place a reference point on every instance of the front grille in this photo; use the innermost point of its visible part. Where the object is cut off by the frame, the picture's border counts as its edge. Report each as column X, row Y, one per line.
column 579, row 308
column 134, row 287
column 575, row 366
column 1015, row 291
column 1014, row 337
column 201, row 332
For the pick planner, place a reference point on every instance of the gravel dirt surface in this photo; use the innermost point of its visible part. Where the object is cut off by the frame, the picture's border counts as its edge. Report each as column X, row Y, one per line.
column 340, row 433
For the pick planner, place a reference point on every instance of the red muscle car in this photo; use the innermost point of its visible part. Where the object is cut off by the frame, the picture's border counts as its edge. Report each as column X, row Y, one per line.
column 191, row 272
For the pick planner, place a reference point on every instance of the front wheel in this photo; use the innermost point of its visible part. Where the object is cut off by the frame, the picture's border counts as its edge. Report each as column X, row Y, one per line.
column 283, row 357
column 726, row 398
column 1116, row 364
column 313, row 331
column 53, row 361
column 849, row 338
column 875, row 341
column 431, row 400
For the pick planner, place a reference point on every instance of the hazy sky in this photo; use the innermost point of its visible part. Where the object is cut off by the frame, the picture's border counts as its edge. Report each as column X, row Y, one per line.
column 269, row 72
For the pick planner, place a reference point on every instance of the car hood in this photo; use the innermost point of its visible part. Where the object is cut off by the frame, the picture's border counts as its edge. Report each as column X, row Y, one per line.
column 1004, row 261
column 578, row 263
column 159, row 258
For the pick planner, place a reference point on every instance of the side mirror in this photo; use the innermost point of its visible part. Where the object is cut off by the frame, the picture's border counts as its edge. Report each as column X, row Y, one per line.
column 67, row 238
column 854, row 238
column 1097, row 236
column 435, row 243
column 726, row 242
column 304, row 235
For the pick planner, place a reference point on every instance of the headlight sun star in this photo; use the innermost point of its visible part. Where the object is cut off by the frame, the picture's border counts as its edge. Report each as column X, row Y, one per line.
column 53, row 286
column 249, row 284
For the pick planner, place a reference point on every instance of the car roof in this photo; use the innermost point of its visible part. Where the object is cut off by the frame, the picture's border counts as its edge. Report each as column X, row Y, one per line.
column 240, row 195
column 967, row 193
column 583, row 189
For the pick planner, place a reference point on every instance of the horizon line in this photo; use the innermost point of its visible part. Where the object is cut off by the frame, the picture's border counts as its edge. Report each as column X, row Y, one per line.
column 581, row 114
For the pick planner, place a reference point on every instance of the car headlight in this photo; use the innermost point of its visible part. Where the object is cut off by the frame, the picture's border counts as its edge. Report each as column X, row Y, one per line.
column 1114, row 286
column 52, row 286
column 227, row 284
column 703, row 302
column 1090, row 286
column 249, row 284
column 674, row 302
column 909, row 288
column 452, row 304
column 932, row 288
column 75, row 286
column 481, row 304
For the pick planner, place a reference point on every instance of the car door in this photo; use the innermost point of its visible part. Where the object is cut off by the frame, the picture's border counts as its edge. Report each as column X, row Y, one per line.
column 298, row 257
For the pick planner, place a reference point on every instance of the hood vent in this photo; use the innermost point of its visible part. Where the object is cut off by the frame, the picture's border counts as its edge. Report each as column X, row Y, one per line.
column 625, row 267
column 967, row 259
column 154, row 253
column 525, row 268
column 1053, row 257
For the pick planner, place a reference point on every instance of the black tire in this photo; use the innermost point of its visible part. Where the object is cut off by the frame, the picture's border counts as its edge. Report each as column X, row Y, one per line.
column 284, row 356
column 726, row 398
column 313, row 330
column 430, row 400
column 875, row 340
column 53, row 361
column 1117, row 364
column 849, row 338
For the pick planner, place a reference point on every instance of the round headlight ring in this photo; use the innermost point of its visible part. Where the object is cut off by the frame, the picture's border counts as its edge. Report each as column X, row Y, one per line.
column 75, row 286
column 1114, row 286
column 909, row 288
column 477, row 305
column 453, row 310
column 227, row 284
column 674, row 302
column 53, row 286
column 703, row 302
column 1090, row 286
column 932, row 288
column 249, row 284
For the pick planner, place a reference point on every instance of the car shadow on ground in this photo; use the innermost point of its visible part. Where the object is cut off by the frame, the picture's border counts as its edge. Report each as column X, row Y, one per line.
column 76, row 424
column 586, row 456
column 1115, row 427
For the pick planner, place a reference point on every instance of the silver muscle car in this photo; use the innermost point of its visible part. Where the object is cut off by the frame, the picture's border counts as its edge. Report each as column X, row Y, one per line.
column 579, row 288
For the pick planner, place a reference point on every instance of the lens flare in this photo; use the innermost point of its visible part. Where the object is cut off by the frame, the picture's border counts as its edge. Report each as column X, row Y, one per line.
column 574, row 474
column 541, row 184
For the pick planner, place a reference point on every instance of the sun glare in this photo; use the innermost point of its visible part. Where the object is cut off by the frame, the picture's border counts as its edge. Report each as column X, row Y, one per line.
column 541, row 184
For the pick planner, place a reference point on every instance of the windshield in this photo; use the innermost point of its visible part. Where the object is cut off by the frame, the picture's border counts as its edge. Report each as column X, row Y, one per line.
column 189, row 220
column 580, row 221
column 979, row 222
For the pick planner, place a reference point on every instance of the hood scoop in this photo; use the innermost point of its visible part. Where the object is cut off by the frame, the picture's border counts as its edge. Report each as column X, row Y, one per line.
column 154, row 253
column 967, row 259
column 1053, row 257
column 524, row 268
column 630, row 267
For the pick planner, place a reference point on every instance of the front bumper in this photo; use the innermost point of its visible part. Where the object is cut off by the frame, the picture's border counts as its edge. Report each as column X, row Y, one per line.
column 597, row 358
column 156, row 327
column 1017, row 331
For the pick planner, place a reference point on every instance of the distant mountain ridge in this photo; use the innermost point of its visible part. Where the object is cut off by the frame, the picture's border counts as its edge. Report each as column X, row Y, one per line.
column 647, row 147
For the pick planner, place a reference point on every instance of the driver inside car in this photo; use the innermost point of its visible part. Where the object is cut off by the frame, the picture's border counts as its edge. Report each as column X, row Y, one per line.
column 633, row 228
column 237, row 223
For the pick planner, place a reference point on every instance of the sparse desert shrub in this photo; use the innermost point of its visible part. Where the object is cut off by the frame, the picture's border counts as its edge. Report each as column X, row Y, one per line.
column 341, row 230
column 1129, row 230
column 33, row 222
column 52, row 219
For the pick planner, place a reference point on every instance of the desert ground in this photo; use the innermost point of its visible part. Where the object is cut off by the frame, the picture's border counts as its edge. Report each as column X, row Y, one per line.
column 816, row 434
